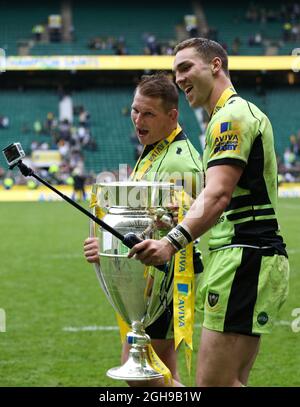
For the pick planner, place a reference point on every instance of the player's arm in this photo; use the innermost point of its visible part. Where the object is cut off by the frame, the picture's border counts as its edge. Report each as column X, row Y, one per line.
column 221, row 181
column 203, row 214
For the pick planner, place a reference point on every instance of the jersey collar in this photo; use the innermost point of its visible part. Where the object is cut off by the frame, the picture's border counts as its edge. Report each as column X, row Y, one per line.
column 227, row 94
column 173, row 136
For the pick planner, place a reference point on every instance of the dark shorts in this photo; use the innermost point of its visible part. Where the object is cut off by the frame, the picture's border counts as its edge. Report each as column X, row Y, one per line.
column 243, row 289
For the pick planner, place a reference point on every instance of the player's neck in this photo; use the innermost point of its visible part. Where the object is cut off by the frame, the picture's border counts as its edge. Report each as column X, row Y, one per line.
column 220, row 85
column 168, row 132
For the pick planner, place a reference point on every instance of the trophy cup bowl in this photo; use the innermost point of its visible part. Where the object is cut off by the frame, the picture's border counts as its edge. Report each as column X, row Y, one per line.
column 134, row 290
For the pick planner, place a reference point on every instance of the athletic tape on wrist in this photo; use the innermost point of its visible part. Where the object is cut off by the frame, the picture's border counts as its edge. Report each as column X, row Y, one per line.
column 173, row 242
column 179, row 237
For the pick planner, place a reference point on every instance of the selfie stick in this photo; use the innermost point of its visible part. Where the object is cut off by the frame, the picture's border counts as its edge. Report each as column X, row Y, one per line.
column 129, row 240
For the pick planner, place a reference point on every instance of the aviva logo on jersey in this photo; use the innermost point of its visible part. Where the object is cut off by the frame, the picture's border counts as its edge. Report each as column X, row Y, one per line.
column 226, row 137
column 225, row 127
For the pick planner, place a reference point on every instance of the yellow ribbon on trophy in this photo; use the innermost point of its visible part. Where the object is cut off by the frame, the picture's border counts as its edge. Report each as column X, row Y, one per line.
column 99, row 212
column 153, row 359
column 156, row 364
column 184, row 288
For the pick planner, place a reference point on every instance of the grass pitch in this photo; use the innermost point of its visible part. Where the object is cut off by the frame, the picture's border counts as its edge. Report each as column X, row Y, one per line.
column 61, row 330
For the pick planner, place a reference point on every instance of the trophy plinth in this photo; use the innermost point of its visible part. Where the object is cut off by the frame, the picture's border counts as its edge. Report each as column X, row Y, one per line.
column 139, row 294
column 137, row 366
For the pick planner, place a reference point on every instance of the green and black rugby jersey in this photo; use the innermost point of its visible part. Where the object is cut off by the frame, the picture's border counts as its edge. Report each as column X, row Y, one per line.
column 179, row 163
column 240, row 134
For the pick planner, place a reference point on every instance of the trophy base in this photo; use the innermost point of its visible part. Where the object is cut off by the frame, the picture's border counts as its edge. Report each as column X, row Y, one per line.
column 132, row 370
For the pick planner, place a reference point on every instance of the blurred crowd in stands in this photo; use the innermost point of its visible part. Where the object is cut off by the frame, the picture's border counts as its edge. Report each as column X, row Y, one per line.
column 289, row 164
column 70, row 140
column 285, row 13
column 50, row 30
column 116, row 45
column 288, row 14
column 4, row 122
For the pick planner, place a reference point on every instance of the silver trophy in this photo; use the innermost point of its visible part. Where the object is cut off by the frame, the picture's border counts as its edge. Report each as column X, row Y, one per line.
column 139, row 294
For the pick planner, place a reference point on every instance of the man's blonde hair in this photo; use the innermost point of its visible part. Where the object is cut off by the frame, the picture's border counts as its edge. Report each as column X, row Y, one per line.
column 159, row 86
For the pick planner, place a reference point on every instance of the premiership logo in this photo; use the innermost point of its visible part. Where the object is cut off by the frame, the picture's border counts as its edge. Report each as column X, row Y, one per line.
column 213, row 299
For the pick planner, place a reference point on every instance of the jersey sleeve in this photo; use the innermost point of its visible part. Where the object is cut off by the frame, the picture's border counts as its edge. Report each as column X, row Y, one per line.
column 230, row 138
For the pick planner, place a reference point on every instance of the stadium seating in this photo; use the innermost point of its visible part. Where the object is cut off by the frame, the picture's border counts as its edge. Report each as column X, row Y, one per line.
column 112, row 129
column 111, row 104
column 90, row 19
column 284, row 119
column 230, row 22
column 111, row 126
column 23, row 109
column 17, row 21
column 132, row 20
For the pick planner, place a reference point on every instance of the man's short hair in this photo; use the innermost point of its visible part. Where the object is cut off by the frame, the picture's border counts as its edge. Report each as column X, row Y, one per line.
column 207, row 49
column 159, row 86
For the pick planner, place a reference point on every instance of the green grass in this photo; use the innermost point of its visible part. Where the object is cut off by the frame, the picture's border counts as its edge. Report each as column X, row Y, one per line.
column 46, row 285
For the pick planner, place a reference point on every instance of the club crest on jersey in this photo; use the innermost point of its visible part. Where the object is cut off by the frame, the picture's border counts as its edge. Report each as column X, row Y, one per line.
column 213, row 299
